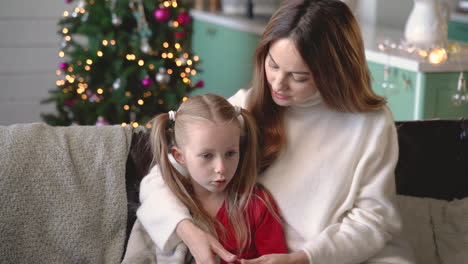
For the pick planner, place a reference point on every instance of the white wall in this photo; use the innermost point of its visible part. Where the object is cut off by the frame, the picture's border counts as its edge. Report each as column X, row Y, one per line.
column 29, row 47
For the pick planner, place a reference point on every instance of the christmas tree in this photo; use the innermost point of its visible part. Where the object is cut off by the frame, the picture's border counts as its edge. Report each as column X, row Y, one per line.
column 124, row 61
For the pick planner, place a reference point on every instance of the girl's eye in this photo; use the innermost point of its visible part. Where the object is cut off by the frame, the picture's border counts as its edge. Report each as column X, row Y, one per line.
column 206, row 155
column 230, row 153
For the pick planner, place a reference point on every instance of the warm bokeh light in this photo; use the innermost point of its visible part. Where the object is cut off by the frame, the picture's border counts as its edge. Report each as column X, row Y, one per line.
column 437, row 56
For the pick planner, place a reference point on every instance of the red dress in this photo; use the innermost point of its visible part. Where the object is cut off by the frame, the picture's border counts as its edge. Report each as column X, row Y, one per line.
column 267, row 233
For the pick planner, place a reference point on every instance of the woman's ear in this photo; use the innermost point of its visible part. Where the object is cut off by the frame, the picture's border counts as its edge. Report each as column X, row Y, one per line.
column 177, row 154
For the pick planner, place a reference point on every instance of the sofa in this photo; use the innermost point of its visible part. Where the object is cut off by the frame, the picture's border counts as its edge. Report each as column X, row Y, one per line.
column 70, row 194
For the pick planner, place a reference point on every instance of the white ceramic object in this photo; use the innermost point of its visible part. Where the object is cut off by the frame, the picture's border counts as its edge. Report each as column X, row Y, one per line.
column 427, row 23
column 351, row 4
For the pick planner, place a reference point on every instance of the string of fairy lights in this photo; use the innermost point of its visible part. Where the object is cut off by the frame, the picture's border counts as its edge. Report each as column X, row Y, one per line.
column 436, row 55
column 170, row 51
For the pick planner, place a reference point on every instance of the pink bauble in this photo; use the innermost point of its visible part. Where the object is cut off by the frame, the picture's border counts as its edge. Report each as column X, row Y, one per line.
column 63, row 65
column 183, row 18
column 146, row 82
column 162, row 14
column 69, row 103
column 200, row 84
column 102, row 122
column 68, row 1
column 179, row 34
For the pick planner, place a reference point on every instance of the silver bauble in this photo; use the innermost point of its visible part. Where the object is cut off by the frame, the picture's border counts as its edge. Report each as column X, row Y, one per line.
column 183, row 60
column 144, row 46
column 116, row 20
column 162, row 76
column 116, row 84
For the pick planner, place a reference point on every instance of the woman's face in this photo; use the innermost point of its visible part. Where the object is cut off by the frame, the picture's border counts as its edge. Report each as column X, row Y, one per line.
column 289, row 79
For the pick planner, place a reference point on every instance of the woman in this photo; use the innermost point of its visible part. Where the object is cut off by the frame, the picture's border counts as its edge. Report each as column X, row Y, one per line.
column 329, row 147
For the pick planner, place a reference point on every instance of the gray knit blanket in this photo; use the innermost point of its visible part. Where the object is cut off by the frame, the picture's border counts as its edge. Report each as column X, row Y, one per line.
column 62, row 193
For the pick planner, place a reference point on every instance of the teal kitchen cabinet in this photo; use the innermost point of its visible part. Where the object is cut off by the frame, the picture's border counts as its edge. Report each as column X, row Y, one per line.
column 226, row 57
column 458, row 27
column 418, row 95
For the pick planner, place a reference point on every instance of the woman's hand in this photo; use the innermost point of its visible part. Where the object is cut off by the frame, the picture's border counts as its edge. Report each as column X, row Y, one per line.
column 203, row 246
column 299, row 257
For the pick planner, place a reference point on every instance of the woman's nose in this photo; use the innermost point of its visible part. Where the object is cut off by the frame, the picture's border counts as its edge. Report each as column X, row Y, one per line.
column 278, row 83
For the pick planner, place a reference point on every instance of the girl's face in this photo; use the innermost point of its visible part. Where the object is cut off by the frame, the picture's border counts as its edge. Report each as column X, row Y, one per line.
column 289, row 79
column 211, row 155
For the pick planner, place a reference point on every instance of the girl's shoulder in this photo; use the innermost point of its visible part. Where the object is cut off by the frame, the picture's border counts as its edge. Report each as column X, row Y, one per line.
column 240, row 97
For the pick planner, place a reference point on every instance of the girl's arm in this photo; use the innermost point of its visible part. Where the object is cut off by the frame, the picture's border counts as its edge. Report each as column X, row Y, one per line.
column 167, row 221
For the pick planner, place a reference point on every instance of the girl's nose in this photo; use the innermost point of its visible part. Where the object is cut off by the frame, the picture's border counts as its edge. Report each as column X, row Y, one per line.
column 220, row 167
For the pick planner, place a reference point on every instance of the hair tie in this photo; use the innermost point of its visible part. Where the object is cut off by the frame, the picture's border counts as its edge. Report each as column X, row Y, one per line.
column 172, row 115
column 238, row 110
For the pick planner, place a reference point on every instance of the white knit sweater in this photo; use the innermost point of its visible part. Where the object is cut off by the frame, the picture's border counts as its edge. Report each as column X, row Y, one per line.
column 334, row 185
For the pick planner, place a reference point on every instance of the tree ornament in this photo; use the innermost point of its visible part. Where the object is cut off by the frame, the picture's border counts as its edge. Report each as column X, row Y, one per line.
column 200, row 84
column 63, row 43
column 116, row 20
column 81, row 4
column 69, row 103
column 183, row 60
column 85, row 17
column 180, row 34
column 183, row 18
column 162, row 76
column 133, row 5
column 116, row 84
column 102, row 122
column 145, row 46
column 68, row 1
column 146, row 82
column 63, row 65
column 162, row 14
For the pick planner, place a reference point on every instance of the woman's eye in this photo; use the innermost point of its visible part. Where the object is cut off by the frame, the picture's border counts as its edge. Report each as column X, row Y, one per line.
column 273, row 66
column 299, row 79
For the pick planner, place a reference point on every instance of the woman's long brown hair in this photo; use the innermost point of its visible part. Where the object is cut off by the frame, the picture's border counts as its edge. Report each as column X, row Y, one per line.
column 329, row 40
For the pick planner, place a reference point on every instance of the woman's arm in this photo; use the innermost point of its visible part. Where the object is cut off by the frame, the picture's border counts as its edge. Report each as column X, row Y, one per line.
column 160, row 210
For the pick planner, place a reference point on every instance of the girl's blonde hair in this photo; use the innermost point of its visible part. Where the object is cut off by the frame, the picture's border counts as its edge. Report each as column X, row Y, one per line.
column 329, row 40
column 165, row 134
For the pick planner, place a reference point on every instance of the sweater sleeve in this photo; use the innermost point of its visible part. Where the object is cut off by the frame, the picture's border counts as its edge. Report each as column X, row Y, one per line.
column 160, row 210
column 269, row 235
column 372, row 221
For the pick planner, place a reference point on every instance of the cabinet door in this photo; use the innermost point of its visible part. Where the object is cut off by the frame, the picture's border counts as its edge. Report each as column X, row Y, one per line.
column 439, row 90
column 458, row 31
column 402, row 96
column 226, row 57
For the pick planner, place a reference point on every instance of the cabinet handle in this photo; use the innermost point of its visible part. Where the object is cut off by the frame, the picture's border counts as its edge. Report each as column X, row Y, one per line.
column 211, row 31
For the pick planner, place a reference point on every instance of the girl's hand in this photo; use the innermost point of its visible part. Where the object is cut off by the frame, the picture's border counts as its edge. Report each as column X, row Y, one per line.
column 299, row 257
column 203, row 246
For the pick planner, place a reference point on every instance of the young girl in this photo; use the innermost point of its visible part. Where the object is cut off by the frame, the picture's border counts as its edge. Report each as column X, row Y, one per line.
column 216, row 144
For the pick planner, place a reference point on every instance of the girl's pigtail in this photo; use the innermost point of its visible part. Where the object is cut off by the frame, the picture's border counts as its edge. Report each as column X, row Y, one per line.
column 162, row 139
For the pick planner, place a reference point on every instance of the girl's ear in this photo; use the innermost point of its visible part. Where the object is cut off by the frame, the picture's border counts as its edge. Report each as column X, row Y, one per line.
column 177, row 154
